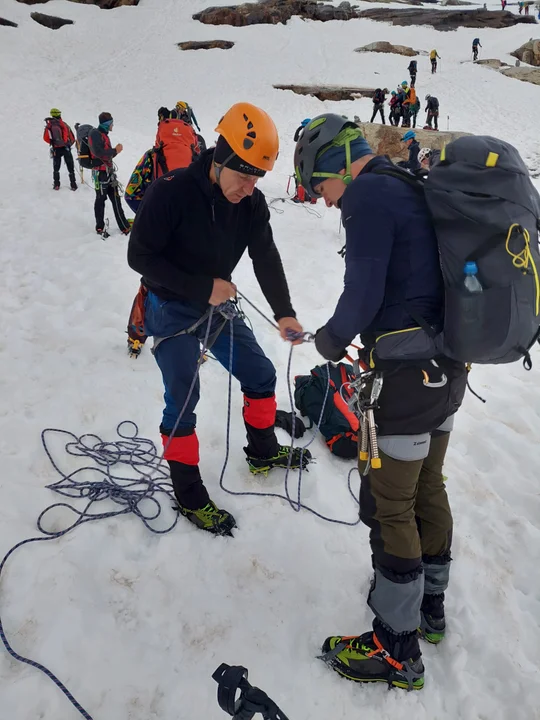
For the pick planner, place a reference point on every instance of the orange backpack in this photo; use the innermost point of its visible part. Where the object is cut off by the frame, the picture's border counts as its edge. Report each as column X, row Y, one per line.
column 178, row 144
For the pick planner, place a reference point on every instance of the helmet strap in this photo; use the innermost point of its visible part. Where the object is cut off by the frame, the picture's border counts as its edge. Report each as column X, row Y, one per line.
column 347, row 178
column 219, row 168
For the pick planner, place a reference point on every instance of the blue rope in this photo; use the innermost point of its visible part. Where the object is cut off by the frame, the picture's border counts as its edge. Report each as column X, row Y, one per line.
column 139, row 495
column 297, row 504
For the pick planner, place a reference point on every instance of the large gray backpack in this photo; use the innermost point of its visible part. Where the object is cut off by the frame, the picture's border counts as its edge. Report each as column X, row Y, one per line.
column 485, row 210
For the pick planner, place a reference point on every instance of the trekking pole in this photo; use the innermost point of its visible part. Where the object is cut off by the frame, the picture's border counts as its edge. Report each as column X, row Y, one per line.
column 448, row 122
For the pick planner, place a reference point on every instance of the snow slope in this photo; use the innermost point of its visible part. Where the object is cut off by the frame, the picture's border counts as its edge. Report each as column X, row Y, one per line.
column 134, row 623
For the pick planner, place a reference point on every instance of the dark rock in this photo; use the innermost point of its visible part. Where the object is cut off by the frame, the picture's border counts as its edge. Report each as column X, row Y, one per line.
column 329, row 92
column 8, row 23
column 447, row 19
column 273, row 12
column 50, row 21
column 103, row 4
column 206, row 45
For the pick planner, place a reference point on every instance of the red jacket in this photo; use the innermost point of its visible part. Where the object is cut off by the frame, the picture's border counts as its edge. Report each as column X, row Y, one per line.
column 58, row 133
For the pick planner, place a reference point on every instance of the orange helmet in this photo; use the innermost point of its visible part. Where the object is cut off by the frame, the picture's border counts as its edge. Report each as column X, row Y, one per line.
column 251, row 134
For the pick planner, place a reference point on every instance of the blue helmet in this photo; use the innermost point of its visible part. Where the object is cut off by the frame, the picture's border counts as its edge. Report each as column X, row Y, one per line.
column 305, row 122
column 394, row 92
column 410, row 135
column 404, row 83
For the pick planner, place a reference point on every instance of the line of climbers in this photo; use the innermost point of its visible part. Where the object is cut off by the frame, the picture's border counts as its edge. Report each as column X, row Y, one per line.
column 176, row 145
column 404, row 107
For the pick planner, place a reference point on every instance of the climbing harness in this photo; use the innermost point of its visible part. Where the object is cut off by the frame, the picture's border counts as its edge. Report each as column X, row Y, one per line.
column 137, row 492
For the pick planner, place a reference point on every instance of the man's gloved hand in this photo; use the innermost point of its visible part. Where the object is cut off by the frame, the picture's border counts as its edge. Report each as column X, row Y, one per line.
column 284, row 421
column 327, row 347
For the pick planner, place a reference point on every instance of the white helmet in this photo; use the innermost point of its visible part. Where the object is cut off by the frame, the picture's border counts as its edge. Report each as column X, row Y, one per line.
column 424, row 154
column 427, row 97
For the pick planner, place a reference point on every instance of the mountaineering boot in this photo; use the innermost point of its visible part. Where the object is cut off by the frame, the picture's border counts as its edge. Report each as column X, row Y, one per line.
column 364, row 658
column 56, row 186
column 262, row 466
column 73, row 185
column 432, row 623
column 210, row 518
column 134, row 347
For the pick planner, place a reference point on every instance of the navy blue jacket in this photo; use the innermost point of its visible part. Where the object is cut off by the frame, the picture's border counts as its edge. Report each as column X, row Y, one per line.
column 391, row 258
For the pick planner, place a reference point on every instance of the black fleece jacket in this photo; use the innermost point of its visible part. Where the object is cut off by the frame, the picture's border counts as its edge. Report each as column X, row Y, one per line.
column 186, row 233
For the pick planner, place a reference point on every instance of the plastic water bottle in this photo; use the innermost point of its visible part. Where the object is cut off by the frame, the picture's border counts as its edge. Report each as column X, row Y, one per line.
column 471, row 282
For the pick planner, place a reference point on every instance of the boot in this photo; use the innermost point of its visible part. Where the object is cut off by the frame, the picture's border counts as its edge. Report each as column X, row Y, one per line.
column 432, row 624
column 210, row 518
column 262, row 466
column 56, row 186
column 377, row 656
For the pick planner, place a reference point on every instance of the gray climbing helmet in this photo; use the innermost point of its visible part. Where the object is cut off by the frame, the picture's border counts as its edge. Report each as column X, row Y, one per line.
column 319, row 133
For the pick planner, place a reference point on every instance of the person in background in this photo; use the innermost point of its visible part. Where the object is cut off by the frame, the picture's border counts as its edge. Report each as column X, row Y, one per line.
column 432, row 109
column 412, row 143
column 413, row 69
column 395, row 109
column 433, row 56
column 104, row 176
column 60, row 137
column 379, row 98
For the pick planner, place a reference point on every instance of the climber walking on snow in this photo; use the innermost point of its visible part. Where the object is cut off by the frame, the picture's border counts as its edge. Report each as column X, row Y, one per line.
column 475, row 46
column 60, row 137
column 413, row 69
column 189, row 234
column 433, row 56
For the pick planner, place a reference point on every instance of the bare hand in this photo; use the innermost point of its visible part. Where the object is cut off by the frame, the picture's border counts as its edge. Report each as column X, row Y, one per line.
column 287, row 325
column 119, row 148
column 222, row 291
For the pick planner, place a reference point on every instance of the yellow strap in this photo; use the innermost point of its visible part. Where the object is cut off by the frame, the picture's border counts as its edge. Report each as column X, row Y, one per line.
column 443, row 153
column 492, row 159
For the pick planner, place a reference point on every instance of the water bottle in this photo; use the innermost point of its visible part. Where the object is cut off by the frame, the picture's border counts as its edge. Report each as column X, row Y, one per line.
column 471, row 282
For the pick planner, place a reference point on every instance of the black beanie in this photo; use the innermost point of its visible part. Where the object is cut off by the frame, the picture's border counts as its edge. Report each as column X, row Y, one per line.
column 223, row 153
column 105, row 117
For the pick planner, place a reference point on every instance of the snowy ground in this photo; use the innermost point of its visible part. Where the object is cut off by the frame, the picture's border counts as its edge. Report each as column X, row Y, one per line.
column 135, row 624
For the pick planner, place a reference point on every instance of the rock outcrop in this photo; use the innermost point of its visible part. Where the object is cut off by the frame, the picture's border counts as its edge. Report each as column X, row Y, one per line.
column 329, row 92
column 525, row 74
column 446, row 19
column 7, row 23
column 103, row 4
column 206, row 45
column 492, row 63
column 386, row 140
column 386, row 47
column 529, row 53
column 273, row 12
column 50, row 21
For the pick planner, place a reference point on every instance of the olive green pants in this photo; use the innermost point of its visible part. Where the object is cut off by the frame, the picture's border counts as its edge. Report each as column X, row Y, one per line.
column 405, row 506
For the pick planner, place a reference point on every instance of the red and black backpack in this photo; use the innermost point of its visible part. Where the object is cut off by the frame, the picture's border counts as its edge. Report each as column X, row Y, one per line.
column 338, row 424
